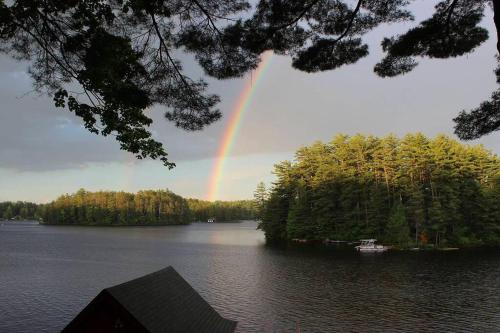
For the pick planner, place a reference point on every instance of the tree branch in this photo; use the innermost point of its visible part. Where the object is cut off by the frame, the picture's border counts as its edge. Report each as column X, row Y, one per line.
column 297, row 19
column 349, row 25
column 212, row 23
column 46, row 48
column 208, row 15
column 162, row 42
column 450, row 10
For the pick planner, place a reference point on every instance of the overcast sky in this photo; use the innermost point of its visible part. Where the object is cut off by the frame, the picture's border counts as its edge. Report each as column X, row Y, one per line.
column 45, row 152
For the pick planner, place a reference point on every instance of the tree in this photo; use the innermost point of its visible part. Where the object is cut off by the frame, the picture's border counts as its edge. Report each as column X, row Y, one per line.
column 436, row 190
column 482, row 120
column 397, row 229
column 8, row 214
column 145, row 207
column 275, row 217
column 260, row 197
column 18, row 209
column 300, row 222
column 201, row 210
column 108, row 61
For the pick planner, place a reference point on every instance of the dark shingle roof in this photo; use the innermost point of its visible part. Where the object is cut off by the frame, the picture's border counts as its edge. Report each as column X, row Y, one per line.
column 164, row 302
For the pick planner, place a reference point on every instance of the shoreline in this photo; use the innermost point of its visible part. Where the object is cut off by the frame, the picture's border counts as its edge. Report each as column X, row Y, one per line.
column 139, row 225
column 348, row 244
column 294, row 243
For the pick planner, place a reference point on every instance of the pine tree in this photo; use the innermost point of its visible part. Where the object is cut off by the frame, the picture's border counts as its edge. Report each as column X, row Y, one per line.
column 260, row 198
column 397, row 230
column 351, row 187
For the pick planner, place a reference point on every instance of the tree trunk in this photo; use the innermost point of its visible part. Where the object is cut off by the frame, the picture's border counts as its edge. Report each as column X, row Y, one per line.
column 386, row 179
column 496, row 19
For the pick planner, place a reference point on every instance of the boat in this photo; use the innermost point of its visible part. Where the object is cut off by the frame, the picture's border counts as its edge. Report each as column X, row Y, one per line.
column 368, row 245
column 212, row 220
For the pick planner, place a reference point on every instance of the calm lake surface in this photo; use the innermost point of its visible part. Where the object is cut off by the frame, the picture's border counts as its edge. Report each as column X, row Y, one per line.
column 49, row 273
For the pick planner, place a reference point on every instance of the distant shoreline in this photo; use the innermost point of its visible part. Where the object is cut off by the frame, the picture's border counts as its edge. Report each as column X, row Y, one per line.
column 139, row 225
column 288, row 244
column 2, row 221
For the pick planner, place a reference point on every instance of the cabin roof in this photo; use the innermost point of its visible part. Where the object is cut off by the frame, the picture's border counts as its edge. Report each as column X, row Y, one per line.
column 163, row 301
column 368, row 240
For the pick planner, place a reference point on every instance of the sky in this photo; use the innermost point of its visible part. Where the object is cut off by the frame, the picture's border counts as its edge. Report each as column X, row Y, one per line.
column 45, row 152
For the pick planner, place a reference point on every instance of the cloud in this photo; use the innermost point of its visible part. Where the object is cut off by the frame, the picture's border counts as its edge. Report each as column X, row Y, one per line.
column 289, row 109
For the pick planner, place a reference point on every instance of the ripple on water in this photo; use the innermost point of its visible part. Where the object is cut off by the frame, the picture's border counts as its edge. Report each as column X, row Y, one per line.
column 48, row 274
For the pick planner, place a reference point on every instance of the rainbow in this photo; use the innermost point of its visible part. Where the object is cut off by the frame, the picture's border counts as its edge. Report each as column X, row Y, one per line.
column 231, row 130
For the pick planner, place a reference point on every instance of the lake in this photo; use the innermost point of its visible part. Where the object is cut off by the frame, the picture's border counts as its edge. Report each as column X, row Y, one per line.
column 49, row 273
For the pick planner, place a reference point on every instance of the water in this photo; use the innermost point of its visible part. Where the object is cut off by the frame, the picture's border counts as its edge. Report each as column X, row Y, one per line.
column 49, row 273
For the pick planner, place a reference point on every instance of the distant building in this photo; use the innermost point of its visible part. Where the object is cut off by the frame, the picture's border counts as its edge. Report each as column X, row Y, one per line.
column 159, row 302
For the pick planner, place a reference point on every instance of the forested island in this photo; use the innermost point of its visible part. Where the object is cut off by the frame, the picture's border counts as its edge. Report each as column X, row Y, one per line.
column 410, row 191
column 160, row 207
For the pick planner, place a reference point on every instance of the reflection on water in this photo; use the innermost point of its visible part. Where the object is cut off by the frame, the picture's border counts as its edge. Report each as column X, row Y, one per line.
column 48, row 274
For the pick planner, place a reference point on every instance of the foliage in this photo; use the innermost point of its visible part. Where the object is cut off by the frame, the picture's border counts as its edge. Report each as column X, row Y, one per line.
column 451, row 32
column 275, row 215
column 390, row 188
column 117, row 208
column 482, row 120
column 19, row 210
column 397, row 230
column 109, row 61
column 260, row 197
column 221, row 210
column 143, row 208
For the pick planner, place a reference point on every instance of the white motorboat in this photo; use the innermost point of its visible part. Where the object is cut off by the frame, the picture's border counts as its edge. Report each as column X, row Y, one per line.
column 368, row 245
